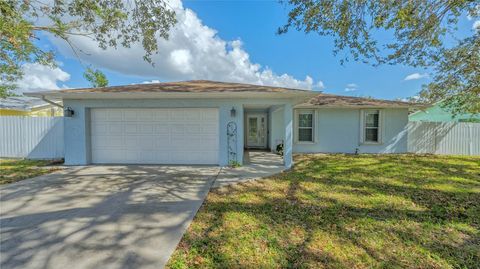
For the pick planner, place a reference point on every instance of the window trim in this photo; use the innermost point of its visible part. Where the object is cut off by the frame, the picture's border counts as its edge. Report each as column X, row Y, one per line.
column 297, row 125
column 363, row 127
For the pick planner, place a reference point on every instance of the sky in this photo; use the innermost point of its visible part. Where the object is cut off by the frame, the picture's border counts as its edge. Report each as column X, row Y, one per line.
column 231, row 41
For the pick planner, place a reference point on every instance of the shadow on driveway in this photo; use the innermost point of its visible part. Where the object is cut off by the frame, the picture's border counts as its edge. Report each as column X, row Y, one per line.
column 100, row 216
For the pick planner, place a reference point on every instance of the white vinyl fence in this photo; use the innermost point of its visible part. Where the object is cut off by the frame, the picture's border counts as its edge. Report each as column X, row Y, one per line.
column 459, row 138
column 31, row 137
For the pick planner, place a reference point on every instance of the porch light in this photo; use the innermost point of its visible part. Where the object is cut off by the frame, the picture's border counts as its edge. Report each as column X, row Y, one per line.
column 233, row 112
column 68, row 112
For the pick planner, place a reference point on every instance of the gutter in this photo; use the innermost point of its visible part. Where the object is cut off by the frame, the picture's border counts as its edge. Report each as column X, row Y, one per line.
column 51, row 102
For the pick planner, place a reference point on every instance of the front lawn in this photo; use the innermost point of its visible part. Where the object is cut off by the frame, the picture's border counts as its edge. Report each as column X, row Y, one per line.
column 12, row 170
column 343, row 211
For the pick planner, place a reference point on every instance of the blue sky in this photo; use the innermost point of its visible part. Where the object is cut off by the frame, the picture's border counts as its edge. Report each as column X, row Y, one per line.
column 254, row 23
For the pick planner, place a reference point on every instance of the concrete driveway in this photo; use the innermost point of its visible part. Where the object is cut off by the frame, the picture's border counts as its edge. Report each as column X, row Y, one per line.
column 100, row 216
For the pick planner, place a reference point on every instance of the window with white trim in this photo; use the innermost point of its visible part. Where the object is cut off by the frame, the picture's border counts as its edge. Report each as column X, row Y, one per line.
column 371, row 126
column 305, row 126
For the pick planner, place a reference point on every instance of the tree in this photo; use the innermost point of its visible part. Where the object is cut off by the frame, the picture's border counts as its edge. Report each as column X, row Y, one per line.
column 418, row 30
column 95, row 77
column 109, row 22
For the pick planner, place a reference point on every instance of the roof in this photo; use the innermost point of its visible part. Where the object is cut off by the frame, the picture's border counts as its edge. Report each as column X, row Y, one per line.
column 437, row 113
column 198, row 88
column 332, row 100
column 22, row 103
column 216, row 89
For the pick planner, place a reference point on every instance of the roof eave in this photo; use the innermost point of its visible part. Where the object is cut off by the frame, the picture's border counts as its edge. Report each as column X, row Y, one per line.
column 357, row 106
column 170, row 95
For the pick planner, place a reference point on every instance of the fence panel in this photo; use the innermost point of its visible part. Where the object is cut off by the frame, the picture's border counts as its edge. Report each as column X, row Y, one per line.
column 31, row 137
column 459, row 138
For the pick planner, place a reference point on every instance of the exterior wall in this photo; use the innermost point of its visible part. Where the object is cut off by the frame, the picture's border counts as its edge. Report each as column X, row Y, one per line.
column 277, row 132
column 77, row 134
column 337, row 130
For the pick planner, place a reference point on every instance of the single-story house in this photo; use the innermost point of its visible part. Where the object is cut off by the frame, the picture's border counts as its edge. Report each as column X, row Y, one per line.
column 208, row 122
column 28, row 107
column 437, row 113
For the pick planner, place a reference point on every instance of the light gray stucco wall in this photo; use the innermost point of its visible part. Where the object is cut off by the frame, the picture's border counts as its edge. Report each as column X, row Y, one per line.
column 277, row 131
column 338, row 130
column 77, row 133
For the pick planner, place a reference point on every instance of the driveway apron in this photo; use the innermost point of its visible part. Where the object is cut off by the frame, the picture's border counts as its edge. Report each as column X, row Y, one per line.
column 100, row 216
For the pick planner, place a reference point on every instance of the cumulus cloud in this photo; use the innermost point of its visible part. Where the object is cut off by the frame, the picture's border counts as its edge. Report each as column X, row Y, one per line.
column 416, row 76
column 351, row 87
column 193, row 51
column 476, row 25
column 40, row 77
column 151, row 81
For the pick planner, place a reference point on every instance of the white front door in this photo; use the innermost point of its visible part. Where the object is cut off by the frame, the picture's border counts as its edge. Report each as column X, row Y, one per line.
column 257, row 130
column 155, row 135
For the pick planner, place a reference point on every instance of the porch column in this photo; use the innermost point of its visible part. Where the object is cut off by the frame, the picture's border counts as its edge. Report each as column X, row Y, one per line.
column 288, row 143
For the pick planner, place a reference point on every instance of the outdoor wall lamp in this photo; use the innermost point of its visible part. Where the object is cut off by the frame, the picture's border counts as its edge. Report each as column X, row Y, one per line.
column 68, row 112
column 233, row 112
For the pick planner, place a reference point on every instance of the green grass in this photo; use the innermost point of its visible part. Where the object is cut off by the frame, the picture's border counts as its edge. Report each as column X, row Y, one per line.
column 343, row 211
column 15, row 170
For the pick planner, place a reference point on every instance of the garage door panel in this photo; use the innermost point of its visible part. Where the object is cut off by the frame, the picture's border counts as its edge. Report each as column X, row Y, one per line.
column 145, row 115
column 162, row 128
column 162, row 115
column 108, row 156
column 210, row 115
column 99, row 129
column 157, row 136
column 115, row 115
column 115, row 128
column 209, row 129
column 104, row 141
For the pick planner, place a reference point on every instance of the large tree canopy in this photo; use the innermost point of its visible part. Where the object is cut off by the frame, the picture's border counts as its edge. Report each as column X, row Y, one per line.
column 109, row 22
column 418, row 30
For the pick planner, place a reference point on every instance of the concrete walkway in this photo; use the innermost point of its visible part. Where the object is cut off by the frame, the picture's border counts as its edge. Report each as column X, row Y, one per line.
column 257, row 164
column 100, row 216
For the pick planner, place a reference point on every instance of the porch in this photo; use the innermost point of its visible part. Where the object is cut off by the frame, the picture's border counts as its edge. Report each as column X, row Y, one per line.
column 267, row 129
column 256, row 164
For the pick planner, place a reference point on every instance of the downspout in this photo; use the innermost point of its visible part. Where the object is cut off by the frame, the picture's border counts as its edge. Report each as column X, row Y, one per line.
column 51, row 102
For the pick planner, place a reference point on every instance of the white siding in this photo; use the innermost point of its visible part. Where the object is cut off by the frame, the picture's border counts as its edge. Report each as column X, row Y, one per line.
column 31, row 137
column 457, row 138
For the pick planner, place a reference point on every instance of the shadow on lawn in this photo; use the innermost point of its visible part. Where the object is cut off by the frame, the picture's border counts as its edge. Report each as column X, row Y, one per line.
column 442, row 232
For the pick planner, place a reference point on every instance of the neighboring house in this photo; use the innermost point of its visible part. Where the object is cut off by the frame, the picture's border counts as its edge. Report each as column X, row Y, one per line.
column 28, row 106
column 188, row 122
column 436, row 113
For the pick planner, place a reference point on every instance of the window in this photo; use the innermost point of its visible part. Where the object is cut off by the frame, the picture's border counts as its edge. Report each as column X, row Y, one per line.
column 371, row 126
column 305, row 126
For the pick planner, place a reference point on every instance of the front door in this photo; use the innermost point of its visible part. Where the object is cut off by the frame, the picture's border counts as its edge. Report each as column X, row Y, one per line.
column 257, row 130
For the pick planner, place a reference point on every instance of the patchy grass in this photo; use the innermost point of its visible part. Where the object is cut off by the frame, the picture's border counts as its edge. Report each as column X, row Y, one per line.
column 15, row 170
column 343, row 211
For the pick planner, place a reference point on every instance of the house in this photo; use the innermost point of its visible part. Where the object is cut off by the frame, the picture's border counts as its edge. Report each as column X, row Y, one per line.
column 436, row 113
column 208, row 122
column 28, row 106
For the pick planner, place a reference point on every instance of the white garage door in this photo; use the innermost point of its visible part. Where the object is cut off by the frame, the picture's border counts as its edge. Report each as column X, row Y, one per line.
column 155, row 136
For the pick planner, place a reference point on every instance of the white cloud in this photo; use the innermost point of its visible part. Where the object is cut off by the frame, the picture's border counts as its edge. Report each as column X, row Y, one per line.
column 40, row 77
column 193, row 51
column 476, row 25
column 351, row 87
column 415, row 76
column 151, row 81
